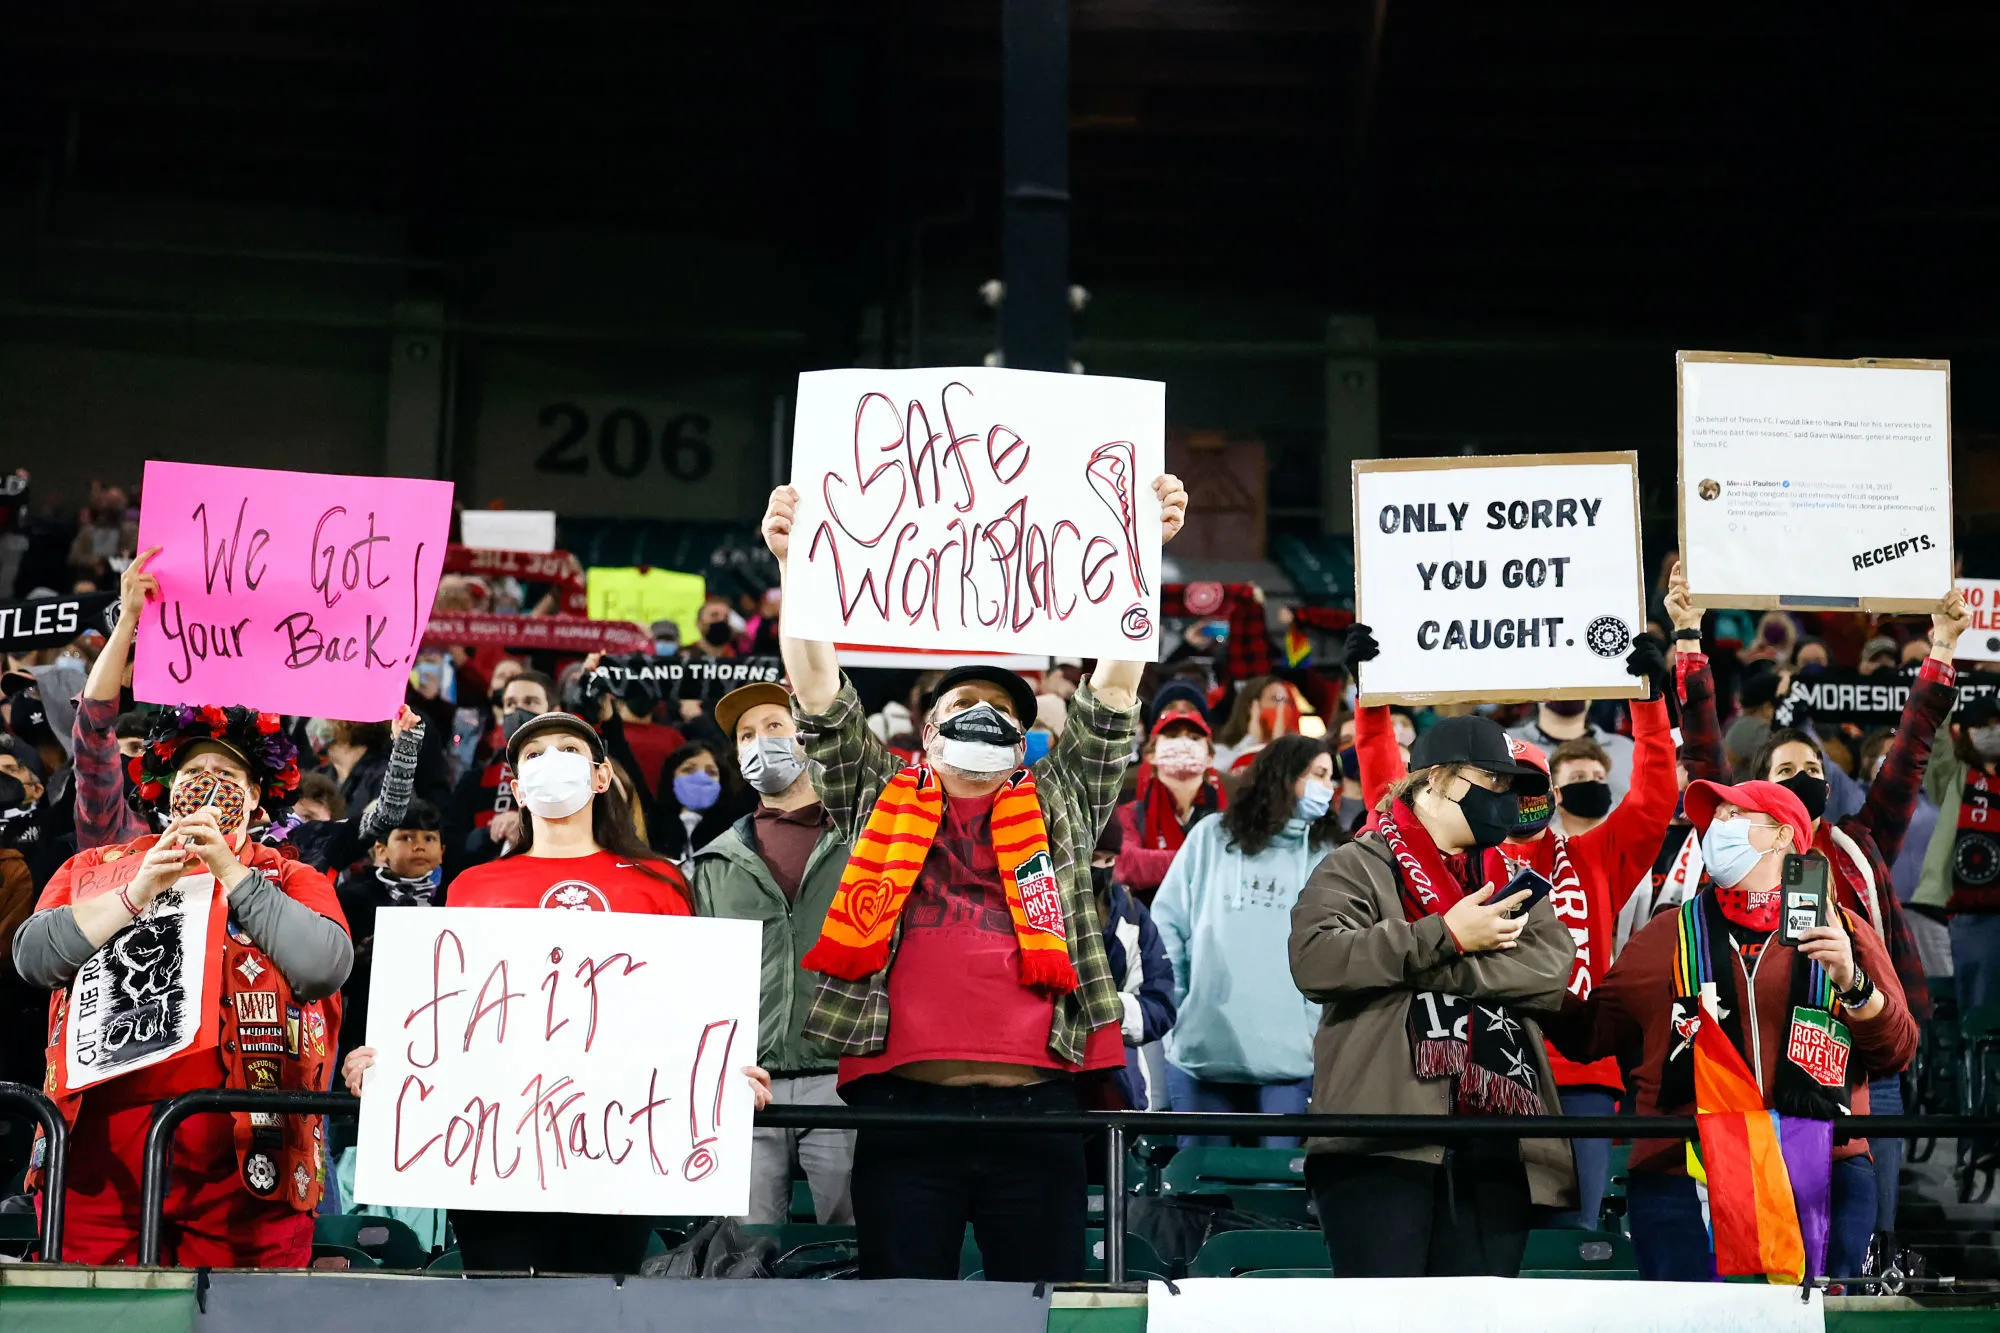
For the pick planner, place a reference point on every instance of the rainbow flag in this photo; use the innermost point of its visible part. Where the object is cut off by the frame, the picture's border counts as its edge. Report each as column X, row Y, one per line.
column 1769, row 1176
column 1298, row 648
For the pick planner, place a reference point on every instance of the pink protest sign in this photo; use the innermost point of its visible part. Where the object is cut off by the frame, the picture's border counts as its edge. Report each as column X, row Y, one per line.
column 292, row 592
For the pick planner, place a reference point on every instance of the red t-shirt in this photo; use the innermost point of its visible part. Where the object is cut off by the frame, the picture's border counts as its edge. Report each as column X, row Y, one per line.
column 955, row 989
column 600, row 882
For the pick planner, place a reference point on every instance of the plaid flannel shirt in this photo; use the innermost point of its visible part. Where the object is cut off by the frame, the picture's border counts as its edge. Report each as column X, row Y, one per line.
column 102, row 816
column 1078, row 784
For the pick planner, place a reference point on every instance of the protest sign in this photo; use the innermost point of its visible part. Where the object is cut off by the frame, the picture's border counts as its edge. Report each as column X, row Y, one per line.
column 568, row 1061
column 291, row 592
column 1814, row 484
column 51, row 622
column 527, row 530
column 645, row 596
column 977, row 510
column 1498, row 579
column 560, row 634
column 148, row 994
column 1981, row 641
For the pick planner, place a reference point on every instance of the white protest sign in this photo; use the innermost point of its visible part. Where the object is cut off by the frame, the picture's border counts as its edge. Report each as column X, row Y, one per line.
column 1498, row 579
column 977, row 510
column 559, row 1061
column 142, row 998
column 531, row 530
column 1981, row 640
column 1815, row 484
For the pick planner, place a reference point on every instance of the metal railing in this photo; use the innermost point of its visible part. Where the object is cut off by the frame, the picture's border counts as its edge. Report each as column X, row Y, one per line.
column 55, row 1159
column 1114, row 1125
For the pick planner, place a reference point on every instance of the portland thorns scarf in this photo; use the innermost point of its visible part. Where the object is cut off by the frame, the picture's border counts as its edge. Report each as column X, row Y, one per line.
column 890, row 852
column 1482, row 1047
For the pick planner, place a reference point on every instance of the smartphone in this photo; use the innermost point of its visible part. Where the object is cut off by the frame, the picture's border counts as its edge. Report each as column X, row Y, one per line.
column 1537, row 885
column 1803, row 883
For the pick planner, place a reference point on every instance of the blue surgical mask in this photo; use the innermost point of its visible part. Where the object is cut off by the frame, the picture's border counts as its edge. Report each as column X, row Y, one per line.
column 697, row 790
column 1315, row 803
column 1727, row 854
column 1038, row 746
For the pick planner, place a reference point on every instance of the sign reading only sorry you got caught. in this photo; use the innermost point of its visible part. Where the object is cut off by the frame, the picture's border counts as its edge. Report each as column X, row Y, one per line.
column 977, row 510
column 569, row 1061
column 290, row 592
column 1498, row 579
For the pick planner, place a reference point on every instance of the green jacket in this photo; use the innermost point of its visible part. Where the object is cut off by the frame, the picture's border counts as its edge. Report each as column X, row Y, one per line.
column 1944, row 783
column 731, row 880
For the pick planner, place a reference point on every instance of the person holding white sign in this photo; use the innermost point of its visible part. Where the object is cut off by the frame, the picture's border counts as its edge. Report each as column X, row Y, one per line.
column 963, row 959
column 145, row 943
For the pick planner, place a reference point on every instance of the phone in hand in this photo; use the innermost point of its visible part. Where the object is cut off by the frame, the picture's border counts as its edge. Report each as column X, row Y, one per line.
column 1536, row 883
column 1803, row 882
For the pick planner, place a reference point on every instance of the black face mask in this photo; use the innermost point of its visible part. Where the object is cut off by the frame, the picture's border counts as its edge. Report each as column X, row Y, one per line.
column 1586, row 800
column 718, row 634
column 513, row 721
column 1810, row 790
column 1568, row 707
column 1100, row 880
column 1490, row 815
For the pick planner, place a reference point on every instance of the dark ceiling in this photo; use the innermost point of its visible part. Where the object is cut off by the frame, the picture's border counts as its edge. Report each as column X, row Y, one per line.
column 1626, row 168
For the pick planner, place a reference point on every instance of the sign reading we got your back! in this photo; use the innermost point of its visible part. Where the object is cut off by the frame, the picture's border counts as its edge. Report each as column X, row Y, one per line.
column 978, row 510
column 290, row 592
column 1498, row 579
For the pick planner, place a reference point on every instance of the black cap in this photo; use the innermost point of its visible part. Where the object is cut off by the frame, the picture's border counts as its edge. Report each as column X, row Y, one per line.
column 545, row 723
column 1478, row 742
column 1018, row 693
column 1978, row 711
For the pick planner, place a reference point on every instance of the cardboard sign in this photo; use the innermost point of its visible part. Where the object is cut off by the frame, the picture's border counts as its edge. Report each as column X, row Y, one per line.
column 559, row 1061
column 1815, row 484
column 1498, row 579
column 530, row 530
column 645, row 596
column 977, row 510
column 291, row 592
column 1981, row 641
column 148, row 995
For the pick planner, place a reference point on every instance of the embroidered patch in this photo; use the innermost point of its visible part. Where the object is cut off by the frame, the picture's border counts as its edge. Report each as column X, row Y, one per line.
column 292, row 1030
column 301, row 1180
column 257, row 1006
column 260, row 1173
column 250, row 969
column 1686, row 1018
column 263, row 1074
column 112, row 855
column 1819, row 1046
column 266, row 1120
column 1041, row 897
column 316, row 1034
column 576, row 895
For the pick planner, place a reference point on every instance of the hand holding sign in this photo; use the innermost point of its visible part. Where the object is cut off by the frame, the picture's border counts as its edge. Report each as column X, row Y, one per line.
column 1949, row 623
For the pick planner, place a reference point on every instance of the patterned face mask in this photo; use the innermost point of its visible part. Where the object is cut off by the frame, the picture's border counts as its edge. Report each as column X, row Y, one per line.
column 195, row 790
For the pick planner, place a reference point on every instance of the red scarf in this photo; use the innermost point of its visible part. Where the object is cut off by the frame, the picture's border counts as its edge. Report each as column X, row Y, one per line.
column 1431, row 886
column 1161, row 830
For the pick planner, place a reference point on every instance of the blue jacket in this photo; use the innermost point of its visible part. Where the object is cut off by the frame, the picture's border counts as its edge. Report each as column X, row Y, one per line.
column 1226, row 921
column 1145, row 981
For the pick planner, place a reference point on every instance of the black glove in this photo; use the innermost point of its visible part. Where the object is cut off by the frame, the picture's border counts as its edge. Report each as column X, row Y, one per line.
column 1648, row 660
column 1360, row 645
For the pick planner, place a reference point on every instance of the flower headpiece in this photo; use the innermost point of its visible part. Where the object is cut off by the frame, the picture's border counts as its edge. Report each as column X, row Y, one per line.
column 258, row 737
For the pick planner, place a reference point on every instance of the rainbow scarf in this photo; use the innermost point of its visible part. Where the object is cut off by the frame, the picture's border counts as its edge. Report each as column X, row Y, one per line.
column 883, row 867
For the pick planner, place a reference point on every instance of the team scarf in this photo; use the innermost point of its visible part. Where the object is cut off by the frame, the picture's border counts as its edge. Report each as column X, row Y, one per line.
column 405, row 891
column 1569, row 895
column 881, row 870
column 1483, row 1048
column 1160, row 828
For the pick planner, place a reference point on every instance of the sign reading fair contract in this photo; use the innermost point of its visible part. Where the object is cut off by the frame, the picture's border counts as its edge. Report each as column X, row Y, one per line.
column 977, row 510
column 1498, row 579
column 560, row 1061
column 1815, row 484
column 291, row 592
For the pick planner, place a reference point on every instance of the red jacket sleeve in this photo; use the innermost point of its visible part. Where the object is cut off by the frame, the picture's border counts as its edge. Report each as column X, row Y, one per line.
column 1139, row 867
column 1629, row 839
column 1376, row 750
column 1887, row 1042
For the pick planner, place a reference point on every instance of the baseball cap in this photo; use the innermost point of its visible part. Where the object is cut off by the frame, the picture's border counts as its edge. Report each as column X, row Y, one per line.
column 549, row 722
column 1478, row 742
column 729, row 710
column 1878, row 645
column 1703, row 798
column 1184, row 692
column 1019, row 696
column 1195, row 720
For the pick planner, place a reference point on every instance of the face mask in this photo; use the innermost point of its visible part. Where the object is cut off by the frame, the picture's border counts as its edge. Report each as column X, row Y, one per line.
column 555, row 783
column 1586, row 800
column 319, row 731
column 1810, row 790
column 1536, row 812
column 1279, row 720
column 717, row 634
column 1986, row 741
column 1035, row 747
column 1100, row 880
column 1315, row 803
column 1568, row 707
column 1490, row 816
column 196, row 790
column 771, row 764
column 513, row 721
column 1727, row 853
column 1180, row 757
column 697, row 790
column 979, row 740
column 73, row 662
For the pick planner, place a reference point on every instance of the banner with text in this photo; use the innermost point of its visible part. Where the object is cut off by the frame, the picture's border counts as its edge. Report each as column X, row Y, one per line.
column 292, row 592
column 1842, row 696
column 978, row 510
column 1981, row 641
column 1815, row 484
column 559, row 1061
column 647, row 596
column 52, row 622
column 1498, row 579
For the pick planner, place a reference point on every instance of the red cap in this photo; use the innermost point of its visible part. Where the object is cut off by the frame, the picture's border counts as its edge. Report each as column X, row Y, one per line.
column 1192, row 718
column 1527, row 752
column 1766, row 798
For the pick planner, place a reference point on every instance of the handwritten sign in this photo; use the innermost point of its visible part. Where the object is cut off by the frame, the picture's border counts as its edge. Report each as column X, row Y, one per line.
column 1498, row 579
column 148, row 994
column 293, row 592
column 977, row 510
column 645, row 596
column 557, row 1061
column 1981, row 640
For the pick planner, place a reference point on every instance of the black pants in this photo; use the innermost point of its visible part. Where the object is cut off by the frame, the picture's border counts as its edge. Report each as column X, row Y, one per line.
column 914, row 1191
column 1385, row 1217
column 550, row 1242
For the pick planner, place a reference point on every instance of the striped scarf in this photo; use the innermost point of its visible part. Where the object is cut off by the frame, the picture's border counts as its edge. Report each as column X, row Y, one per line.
column 890, row 852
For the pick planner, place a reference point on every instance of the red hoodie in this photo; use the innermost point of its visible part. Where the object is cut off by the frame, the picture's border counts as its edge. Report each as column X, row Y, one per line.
column 1601, row 868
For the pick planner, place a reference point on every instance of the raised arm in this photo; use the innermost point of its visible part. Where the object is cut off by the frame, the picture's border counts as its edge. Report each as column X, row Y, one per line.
column 811, row 663
column 1701, row 728
column 1892, row 797
column 1116, row 683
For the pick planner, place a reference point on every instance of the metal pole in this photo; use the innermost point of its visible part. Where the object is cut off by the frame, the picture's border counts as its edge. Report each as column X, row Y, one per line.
column 55, row 1161
column 1034, row 243
column 1114, row 1204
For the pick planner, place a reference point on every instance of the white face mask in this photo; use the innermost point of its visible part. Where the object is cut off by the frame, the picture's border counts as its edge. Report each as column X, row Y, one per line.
column 981, row 741
column 555, row 783
column 1180, row 756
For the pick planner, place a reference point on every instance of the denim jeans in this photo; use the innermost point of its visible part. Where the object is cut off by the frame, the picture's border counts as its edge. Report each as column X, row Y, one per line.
column 1885, row 1097
column 1188, row 1093
column 1593, row 1160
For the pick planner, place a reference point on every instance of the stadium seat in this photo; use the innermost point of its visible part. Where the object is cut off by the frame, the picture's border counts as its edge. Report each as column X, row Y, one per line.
column 1196, row 1169
column 803, row 1208
column 1140, row 1257
column 1279, row 1205
column 1288, row 1272
column 1579, row 1254
column 448, row 1262
column 1230, row 1253
column 390, row 1243
column 338, row 1257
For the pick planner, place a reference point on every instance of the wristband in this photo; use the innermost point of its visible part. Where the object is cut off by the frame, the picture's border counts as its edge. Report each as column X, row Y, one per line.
column 1858, row 995
column 126, row 899
column 1693, row 635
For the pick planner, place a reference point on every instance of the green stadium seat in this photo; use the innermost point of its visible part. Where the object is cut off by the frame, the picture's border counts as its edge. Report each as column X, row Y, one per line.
column 390, row 1243
column 1196, row 1169
column 341, row 1257
column 1140, row 1256
column 1229, row 1253
column 1279, row 1205
column 803, row 1208
column 1288, row 1272
column 1580, row 1254
column 448, row 1262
